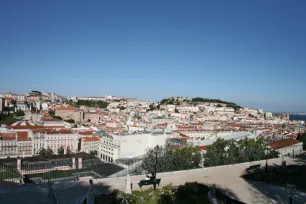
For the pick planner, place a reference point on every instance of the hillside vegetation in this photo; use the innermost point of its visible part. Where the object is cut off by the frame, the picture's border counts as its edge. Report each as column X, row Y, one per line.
column 175, row 101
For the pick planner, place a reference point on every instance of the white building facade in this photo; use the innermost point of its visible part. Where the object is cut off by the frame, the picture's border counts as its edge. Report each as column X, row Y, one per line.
column 54, row 140
column 113, row 147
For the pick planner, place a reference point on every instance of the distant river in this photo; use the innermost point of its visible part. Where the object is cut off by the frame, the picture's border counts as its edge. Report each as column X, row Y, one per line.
column 297, row 117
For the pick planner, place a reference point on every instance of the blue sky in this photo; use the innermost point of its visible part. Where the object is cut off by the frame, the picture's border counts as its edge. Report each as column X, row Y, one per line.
column 249, row 52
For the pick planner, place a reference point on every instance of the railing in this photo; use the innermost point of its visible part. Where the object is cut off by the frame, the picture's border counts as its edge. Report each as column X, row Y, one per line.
column 64, row 170
column 9, row 176
column 174, row 163
column 129, row 169
column 54, row 171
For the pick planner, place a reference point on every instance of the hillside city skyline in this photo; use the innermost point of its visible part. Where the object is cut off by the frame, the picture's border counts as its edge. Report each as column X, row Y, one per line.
column 158, row 100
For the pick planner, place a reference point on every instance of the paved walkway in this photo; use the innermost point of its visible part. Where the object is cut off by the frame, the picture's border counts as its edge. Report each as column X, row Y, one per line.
column 226, row 178
column 26, row 195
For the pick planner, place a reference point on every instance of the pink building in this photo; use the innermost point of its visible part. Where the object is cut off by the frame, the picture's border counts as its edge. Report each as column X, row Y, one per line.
column 67, row 113
column 93, row 117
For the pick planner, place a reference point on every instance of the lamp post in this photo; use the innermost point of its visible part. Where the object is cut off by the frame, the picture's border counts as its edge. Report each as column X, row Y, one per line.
column 155, row 168
column 266, row 159
column 290, row 191
column 90, row 197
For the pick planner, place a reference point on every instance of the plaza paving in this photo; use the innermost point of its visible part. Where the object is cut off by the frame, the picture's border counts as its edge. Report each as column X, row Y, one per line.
column 226, row 178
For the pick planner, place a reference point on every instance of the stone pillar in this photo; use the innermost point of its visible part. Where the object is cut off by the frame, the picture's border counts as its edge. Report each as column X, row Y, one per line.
column 80, row 163
column 128, row 186
column 18, row 164
column 73, row 163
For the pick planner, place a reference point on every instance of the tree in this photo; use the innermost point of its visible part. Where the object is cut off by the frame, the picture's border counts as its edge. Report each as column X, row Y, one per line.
column 51, row 112
column 19, row 113
column 121, row 107
column 176, row 111
column 223, row 152
column 219, row 106
column 13, row 102
column 35, row 93
column 98, row 104
column 283, row 125
column 70, row 121
column 151, row 107
column 46, row 153
column 42, row 152
column 49, row 152
column 164, row 101
column 75, row 126
column 68, row 151
column 171, row 159
column 61, row 150
column 58, row 117
column 33, row 110
column 6, row 118
column 302, row 138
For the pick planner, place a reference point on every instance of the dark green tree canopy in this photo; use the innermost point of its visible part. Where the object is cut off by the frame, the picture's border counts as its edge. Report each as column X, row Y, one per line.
column 202, row 100
column 61, row 150
column 302, row 138
column 35, row 93
column 92, row 103
column 171, row 159
column 223, row 152
column 19, row 113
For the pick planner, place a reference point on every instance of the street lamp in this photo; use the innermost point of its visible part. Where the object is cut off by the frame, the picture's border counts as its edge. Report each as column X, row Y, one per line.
column 290, row 191
column 267, row 152
column 155, row 168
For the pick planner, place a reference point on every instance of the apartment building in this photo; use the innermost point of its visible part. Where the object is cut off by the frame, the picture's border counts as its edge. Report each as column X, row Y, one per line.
column 67, row 113
column 8, row 143
column 24, row 143
column 113, row 147
column 93, row 117
column 90, row 144
column 54, row 139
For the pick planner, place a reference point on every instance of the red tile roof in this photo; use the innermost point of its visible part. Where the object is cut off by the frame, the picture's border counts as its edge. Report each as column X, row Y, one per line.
column 8, row 136
column 86, row 133
column 66, row 109
column 24, row 125
column 283, row 143
column 203, row 147
column 22, row 134
column 90, row 139
column 162, row 124
column 234, row 125
column 52, row 131
column 53, row 127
